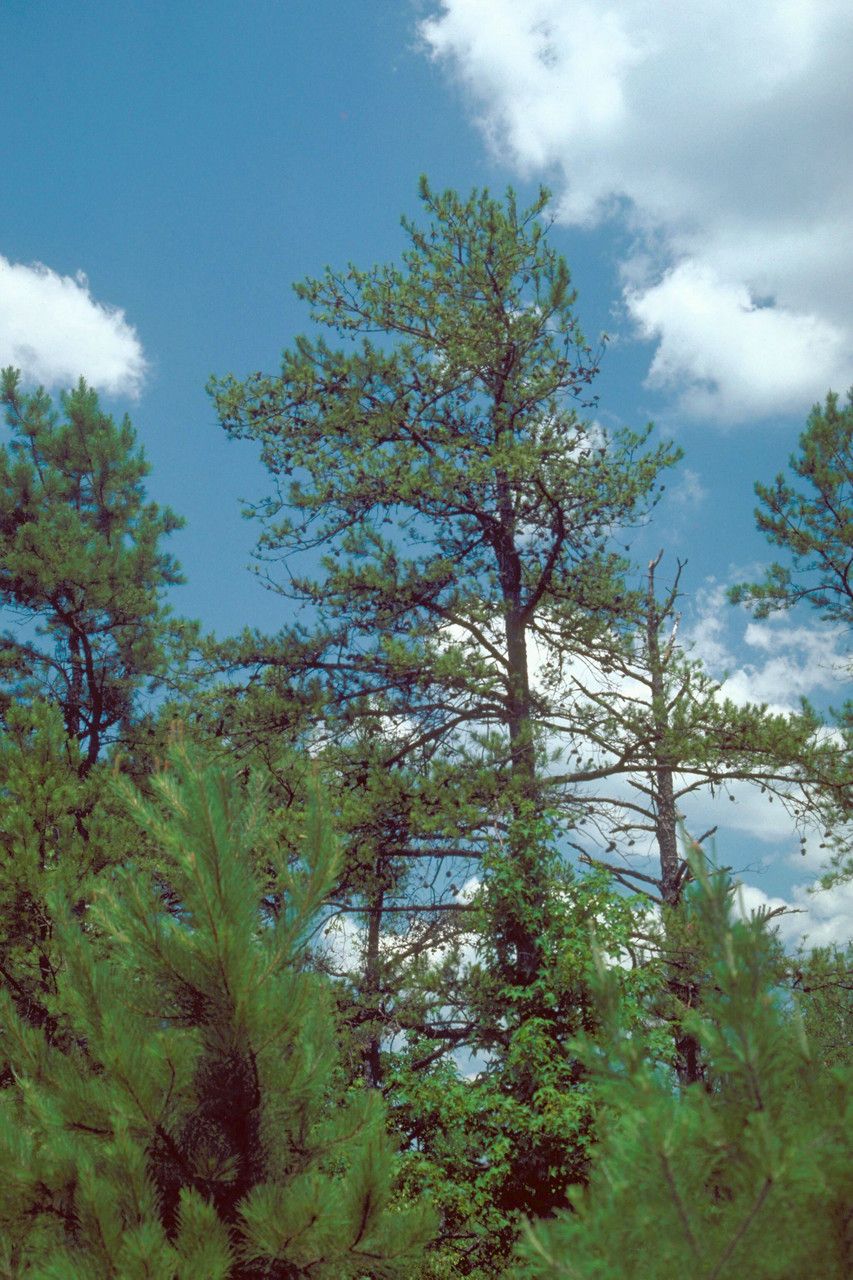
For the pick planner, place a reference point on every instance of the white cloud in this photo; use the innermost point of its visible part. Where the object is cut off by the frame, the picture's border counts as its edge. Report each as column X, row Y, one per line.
column 778, row 661
column 749, row 900
column 778, row 683
column 716, row 133
column 724, row 356
column 341, row 943
column 688, row 492
column 705, row 635
column 54, row 331
column 820, row 918
column 828, row 914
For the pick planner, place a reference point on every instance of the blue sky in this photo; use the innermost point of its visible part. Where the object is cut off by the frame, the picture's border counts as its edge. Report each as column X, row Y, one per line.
column 170, row 170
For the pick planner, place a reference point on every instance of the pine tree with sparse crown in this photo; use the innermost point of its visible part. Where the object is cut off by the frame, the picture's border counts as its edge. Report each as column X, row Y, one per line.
column 82, row 568
column 811, row 524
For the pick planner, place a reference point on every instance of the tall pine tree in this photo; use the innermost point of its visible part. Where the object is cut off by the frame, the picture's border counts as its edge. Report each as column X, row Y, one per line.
column 461, row 505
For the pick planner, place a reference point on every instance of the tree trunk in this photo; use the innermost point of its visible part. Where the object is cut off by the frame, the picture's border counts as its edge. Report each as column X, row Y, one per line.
column 371, row 990
column 687, row 1058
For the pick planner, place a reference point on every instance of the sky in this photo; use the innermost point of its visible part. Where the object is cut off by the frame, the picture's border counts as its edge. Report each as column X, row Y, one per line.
column 171, row 169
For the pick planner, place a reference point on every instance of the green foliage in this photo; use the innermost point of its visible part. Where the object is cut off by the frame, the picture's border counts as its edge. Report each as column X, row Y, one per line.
column 461, row 503
column 812, row 523
column 464, row 513
column 82, row 567
column 746, row 1175
column 191, row 1125
column 823, row 983
column 59, row 830
column 508, row 1140
column 185, row 1091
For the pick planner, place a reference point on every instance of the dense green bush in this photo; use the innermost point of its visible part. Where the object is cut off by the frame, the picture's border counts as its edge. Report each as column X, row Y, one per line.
column 749, row 1173
column 192, row 1124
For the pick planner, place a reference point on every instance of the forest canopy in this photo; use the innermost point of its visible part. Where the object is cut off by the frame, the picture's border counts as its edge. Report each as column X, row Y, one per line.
column 327, row 952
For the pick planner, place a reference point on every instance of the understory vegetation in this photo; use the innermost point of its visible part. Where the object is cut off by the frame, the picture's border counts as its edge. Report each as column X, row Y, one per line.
column 381, row 946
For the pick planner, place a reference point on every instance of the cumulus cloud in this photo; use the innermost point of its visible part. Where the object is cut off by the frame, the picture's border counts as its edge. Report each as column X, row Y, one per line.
column 723, row 355
column 820, row 918
column 54, row 331
column 778, row 662
column 742, row 814
column 713, row 132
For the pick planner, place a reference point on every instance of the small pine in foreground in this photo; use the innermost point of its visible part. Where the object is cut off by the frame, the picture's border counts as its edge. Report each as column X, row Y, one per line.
column 190, row 1126
column 746, row 1174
